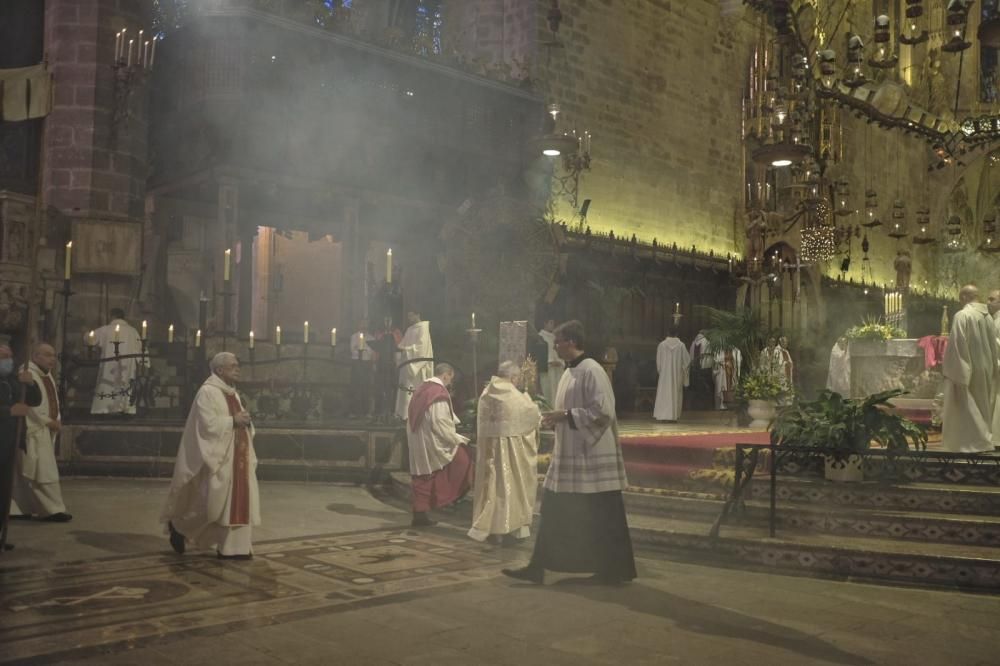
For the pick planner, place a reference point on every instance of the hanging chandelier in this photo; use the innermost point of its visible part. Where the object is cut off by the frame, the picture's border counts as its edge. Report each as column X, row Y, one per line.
column 818, row 238
column 897, row 229
column 923, row 237
column 954, row 239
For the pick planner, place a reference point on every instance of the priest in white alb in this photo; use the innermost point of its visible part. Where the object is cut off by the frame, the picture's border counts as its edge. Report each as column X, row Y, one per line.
column 213, row 500
column 726, row 373
column 972, row 376
column 440, row 467
column 993, row 305
column 506, row 459
column 113, row 391
column 583, row 527
column 549, row 375
column 415, row 361
column 838, row 376
column 672, row 362
column 36, row 485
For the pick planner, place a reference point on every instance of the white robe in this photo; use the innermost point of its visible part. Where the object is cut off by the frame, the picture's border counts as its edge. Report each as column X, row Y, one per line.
column 434, row 443
column 551, row 374
column 201, row 491
column 838, row 377
column 587, row 457
column 115, row 376
column 506, row 462
column 996, row 410
column 416, row 343
column 972, row 375
column 672, row 361
column 700, row 348
column 722, row 379
column 36, row 485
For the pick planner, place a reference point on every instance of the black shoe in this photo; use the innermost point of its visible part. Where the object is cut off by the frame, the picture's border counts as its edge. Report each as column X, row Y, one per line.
column 8, row 546
column 176, row 539
column 605, row 579
column 22, row 516
column 248, row 556
column 421, row 520
column 61, row 517
column 529, row 574
column 510, row 540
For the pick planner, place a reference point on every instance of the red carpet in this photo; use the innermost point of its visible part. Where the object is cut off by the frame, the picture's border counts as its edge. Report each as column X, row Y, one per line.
column 656, row 460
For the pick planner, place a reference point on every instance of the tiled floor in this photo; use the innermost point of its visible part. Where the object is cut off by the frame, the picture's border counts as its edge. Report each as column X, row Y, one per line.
column 339, row 579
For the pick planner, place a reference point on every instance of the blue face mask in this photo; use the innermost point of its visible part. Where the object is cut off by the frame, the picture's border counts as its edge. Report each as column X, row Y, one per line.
column 6, row 366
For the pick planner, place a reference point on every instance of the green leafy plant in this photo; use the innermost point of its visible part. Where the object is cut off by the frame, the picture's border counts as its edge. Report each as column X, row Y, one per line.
column 846, row 424
column 874, row 329
column 761, row 384
column 743, row 330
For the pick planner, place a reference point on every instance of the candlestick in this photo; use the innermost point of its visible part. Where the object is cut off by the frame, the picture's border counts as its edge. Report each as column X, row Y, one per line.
column 69, row 260
column 118, row 333
column 170, row 333
column 128, row 59
column 388, row 266
column 91, row 338
column 305, row 332
column 197, row 338
column 251, row 340
column 144, row 329
column 277, row 335
column 225, row 265
column 333, row 337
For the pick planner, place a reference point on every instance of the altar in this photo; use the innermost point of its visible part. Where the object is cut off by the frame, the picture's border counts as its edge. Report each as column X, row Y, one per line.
column 883, row 365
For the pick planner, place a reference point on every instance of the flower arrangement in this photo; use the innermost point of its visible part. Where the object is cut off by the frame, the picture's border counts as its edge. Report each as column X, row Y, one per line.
column 873, row 329
column 761, row 384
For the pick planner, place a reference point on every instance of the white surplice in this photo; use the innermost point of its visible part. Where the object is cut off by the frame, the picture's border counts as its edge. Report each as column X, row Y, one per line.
column 587, row 457
column 416, row 343
column 201, row 491
column 701, row 350
column 550, row 375
column 506, row 462
column 36, row 485
column 726, row 374
column 111, row 395
column 434, row 443
column 996, row 409
column 672, row 362
column 838, row 376
column 972, row 375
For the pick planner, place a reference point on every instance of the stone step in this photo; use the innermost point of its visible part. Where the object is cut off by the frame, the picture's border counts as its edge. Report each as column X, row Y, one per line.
column 874, row 522
column 836, row 556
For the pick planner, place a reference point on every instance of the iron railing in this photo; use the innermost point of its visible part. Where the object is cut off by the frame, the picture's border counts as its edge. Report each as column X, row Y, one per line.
column 878, row 465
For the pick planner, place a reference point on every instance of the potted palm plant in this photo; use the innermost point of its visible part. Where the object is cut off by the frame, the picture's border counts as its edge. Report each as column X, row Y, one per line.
column 845, row 428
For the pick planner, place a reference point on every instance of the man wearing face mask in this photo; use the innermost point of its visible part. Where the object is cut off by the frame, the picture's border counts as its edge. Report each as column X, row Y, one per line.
column 18, row 393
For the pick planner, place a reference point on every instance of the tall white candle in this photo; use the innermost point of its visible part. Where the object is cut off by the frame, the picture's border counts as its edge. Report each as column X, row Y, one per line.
column 144, row 329
column 473, row 320
column 118, row 44
column 197, row 338
column 225, row 265
column 305, row 332
column 251, row 340
column 92, row 338
column 128, row 59
column 152, row 53
column 68, row 268
column 277, row 335
column 388, row 266
column 333, row 337
column 118, row 332
column 677, row 308
column 170, row 333
column 361, row 341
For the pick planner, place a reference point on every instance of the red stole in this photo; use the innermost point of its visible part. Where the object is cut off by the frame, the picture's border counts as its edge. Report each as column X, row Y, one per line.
column 426, row 395
column 50, row 395
column 239, row 508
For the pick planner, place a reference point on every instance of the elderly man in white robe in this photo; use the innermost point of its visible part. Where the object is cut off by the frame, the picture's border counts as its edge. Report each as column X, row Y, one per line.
column 506, row 460
column 36, row 486
column 583, row 526
column 440, row 467
column 972, row 376
column 838, row 376
column 415, row 361
column 112, row 394
column 672, row 362
column 213, row 500
column 726, row 374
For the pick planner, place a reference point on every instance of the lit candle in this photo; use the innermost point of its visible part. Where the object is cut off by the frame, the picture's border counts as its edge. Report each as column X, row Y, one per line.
column 121, row 47
column 473, row 320
column 128, row 59
column 170, row 333
column 225, row 265
column 197, row 338
column 92, row 339
column 388, row 266
column 138, row 44
column 251, row 340
column 305, row 332
column 333, row 337
column 145, row 54
column 118, row 44
column 152, row 53
column 118, row 332
column 144, row 329
column 361, row 341
column 677, row 308
column 69, row 260
column 277, row 335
